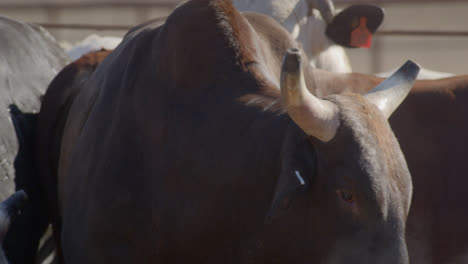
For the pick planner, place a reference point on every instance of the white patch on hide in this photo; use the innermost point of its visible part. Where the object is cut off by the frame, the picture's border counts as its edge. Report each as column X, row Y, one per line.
column 92, row 43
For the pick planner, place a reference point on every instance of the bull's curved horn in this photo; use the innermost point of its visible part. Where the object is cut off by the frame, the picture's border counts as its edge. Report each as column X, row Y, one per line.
column 389, row 94
column 326, row 8
column 317, row 117
column 9, row 210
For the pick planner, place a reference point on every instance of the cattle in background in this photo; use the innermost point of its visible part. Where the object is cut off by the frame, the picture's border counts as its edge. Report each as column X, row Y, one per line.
column 29, row 59
column 320, row 32
column 95, row 43
column 171, row 152
column 431, row 126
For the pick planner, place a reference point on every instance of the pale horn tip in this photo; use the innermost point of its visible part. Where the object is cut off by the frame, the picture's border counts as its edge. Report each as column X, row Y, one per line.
column 410, row 69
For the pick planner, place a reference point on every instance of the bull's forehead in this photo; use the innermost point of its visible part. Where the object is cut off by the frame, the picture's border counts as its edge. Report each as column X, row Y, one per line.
column 380, row 156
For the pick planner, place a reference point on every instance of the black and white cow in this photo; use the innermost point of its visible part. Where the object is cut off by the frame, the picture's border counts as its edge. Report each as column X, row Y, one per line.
column 29, row 59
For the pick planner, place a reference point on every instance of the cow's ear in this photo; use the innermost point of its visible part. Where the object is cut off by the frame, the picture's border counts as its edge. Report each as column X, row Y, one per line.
column 297, row 168
column 25, row 125
column 355, row 26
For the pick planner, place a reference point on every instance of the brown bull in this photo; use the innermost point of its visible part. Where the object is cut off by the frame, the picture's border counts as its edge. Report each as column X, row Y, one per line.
column 181, row 147
column 437, row 223
column 429, row 126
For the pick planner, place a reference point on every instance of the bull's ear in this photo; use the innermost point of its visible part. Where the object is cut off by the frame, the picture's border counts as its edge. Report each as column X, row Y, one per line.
column 354, row 26
column 297, row 166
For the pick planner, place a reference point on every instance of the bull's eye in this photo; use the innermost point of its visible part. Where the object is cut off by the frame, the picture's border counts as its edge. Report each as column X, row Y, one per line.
column 345, row 195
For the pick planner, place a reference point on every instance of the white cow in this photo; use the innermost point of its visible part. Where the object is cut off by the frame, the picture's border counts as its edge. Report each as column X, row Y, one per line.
column 307, row 21
column 309, row 30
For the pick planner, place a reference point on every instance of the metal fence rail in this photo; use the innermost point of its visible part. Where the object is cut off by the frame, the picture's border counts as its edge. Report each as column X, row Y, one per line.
column 85, row 26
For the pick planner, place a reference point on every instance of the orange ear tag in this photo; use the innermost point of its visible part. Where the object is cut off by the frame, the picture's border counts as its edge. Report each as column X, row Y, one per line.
column 360, row 36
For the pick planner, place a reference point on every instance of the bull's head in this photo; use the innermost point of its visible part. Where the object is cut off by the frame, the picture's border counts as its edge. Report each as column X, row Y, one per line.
column 359, row 189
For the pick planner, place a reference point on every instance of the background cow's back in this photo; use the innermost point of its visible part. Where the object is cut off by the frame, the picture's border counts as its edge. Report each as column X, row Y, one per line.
column 29, row 59
column 432, row 128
